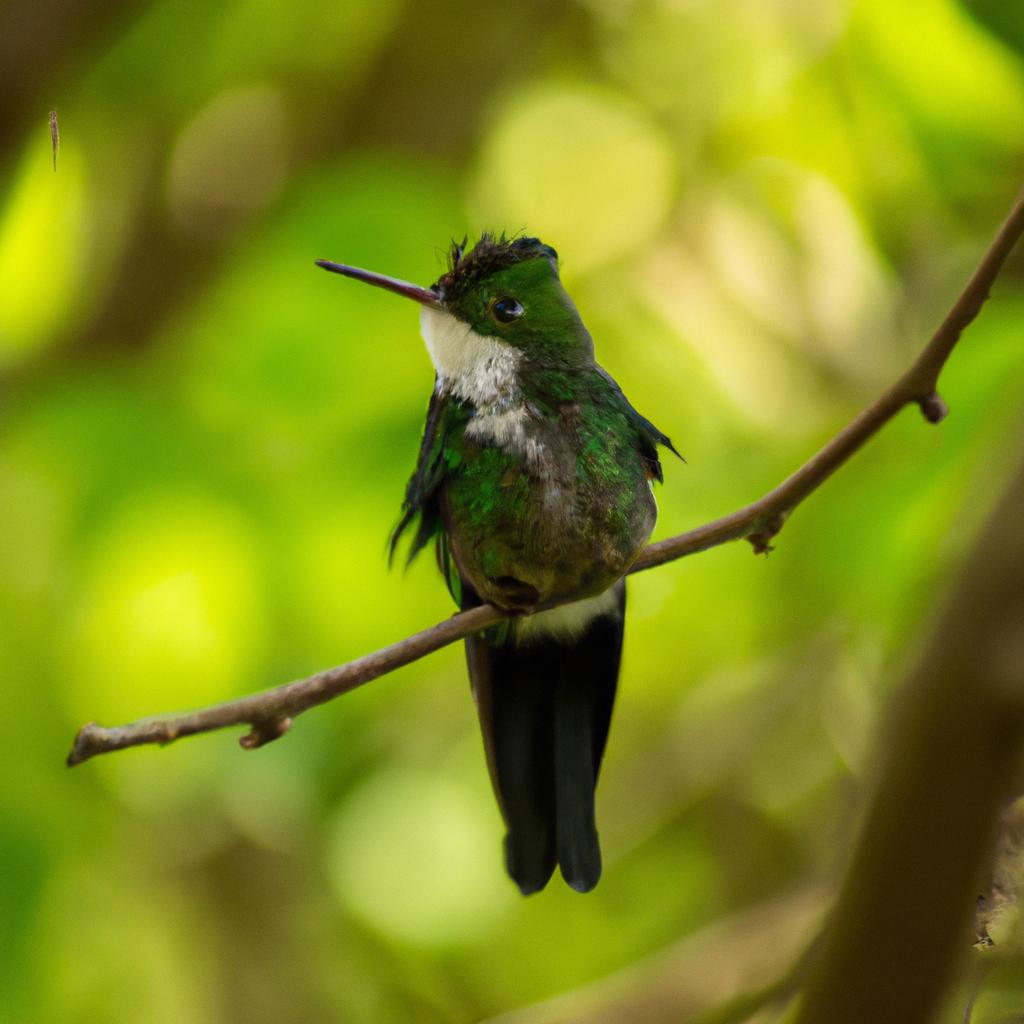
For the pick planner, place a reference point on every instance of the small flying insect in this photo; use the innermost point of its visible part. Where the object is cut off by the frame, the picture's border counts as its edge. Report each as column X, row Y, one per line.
column 54, row 136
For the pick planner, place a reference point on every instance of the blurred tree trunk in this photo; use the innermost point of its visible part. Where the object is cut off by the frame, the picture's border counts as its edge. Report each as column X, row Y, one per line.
column 948, row 767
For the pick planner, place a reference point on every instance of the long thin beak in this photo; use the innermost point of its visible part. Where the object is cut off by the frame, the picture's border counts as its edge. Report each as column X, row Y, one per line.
column 392, row 284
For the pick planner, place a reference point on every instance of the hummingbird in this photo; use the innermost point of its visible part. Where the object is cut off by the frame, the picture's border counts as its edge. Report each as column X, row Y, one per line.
column 534, row 481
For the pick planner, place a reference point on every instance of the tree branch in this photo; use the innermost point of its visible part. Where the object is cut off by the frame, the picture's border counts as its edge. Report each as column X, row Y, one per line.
column 269, row 714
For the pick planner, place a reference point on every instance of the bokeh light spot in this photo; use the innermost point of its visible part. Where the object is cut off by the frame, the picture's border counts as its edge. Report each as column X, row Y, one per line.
column 42, row 236
column 585, row 170
column 230, row 160
column 418, row 858
column 169, row 610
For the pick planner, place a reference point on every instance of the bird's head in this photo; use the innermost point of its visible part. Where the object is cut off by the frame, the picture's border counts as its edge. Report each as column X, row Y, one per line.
column 502, row 299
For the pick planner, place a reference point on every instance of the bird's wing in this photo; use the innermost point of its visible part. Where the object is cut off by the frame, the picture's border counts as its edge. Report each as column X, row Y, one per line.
column 647, row 434
column 421, row 493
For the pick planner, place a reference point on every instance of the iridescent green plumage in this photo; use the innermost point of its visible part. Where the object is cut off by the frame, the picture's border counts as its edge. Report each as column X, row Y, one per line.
column 567, row 521
column 534, row 478
column 543, row 481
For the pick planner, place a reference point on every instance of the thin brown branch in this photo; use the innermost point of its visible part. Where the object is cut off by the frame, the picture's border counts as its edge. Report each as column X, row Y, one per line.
column 269, row 714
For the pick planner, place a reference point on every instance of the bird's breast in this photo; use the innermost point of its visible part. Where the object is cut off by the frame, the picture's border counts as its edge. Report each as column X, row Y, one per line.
column 538, row 507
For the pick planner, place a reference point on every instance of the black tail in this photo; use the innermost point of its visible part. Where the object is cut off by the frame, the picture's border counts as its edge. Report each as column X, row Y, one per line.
column 545, row 707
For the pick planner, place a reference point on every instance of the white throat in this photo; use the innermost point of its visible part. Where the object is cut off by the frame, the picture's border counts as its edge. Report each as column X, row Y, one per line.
column 474, row 367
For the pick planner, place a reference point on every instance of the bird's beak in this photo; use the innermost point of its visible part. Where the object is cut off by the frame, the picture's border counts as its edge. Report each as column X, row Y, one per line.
column 424, row 296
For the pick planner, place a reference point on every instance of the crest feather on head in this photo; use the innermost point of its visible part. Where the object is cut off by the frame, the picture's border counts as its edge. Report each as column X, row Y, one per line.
column 490, row 254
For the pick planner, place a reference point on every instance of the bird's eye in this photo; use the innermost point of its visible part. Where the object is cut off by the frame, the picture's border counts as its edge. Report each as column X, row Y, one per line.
column 506, row 310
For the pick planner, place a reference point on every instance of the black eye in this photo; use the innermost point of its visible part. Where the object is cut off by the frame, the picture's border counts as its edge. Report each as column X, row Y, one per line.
column 506, row 310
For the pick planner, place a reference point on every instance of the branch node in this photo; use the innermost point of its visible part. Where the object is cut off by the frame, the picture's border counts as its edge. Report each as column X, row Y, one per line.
column 760, row 538
column 933, row 407
column 88, row 741
column 265, row 731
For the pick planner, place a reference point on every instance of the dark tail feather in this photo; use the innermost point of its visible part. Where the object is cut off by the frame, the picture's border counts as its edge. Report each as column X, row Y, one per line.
column 545, row 708
column 513, row 694
column 579, row 854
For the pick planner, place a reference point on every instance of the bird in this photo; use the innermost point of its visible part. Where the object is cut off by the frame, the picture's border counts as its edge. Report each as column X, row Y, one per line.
column 534, row 481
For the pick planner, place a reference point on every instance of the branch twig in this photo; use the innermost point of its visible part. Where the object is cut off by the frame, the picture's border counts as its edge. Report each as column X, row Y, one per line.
column 269, row 714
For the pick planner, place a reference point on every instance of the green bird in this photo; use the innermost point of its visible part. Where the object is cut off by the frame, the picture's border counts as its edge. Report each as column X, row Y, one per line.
column 534, row 479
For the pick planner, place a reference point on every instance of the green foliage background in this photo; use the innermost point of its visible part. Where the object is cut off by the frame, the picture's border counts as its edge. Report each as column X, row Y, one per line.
column 762, row 207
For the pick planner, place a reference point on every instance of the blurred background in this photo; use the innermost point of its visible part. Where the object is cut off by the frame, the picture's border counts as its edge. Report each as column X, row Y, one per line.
column 763, row 208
